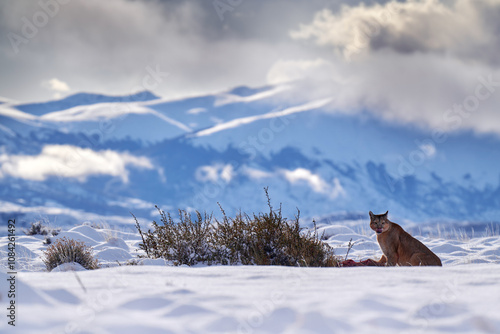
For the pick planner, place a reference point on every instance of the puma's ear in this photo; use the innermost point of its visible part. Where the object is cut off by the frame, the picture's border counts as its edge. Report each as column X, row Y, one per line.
column 371, row 214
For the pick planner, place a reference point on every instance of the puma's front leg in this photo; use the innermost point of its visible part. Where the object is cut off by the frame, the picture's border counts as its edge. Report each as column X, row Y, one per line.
column 392, row 260
column 382, row 261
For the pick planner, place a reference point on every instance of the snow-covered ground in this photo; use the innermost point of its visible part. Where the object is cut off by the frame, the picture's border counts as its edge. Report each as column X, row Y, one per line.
column 153, row 297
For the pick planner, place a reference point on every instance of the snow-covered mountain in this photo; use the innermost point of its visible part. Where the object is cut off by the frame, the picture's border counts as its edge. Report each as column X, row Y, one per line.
column 97, row 157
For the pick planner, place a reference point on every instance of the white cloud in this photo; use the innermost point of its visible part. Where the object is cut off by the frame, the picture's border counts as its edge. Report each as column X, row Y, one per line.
column 215, row 173
column 291, row 70
column 256, row 174
column 465, row 28
column 298, row 176
column 68, row 161
column 314, row 181
column 432, row 63
column 56, row 85
column 301, row 174
column 429, row 150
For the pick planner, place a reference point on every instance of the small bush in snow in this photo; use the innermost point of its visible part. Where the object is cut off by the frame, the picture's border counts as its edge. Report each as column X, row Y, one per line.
column 183, row 242
column 270, row 239
column 262, row 239
column 68, row 250
column 38, row 229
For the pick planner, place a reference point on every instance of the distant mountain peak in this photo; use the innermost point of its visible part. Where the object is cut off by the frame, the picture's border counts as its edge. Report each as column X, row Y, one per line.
column 144, row 95
column 80, row 99
column 247, row 91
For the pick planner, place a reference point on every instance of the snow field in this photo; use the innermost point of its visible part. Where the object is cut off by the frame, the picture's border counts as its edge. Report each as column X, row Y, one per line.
column 154, row 297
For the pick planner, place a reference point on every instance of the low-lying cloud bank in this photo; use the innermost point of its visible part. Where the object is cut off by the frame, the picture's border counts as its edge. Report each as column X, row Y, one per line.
column 431, row 62
column 66, row 161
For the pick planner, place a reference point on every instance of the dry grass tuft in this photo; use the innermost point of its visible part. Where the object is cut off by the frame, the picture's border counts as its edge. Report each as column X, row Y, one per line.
column 68, row 250
column 38, row 228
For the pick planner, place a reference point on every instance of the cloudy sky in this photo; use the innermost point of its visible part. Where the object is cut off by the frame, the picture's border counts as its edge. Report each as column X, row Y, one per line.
column 430, row 62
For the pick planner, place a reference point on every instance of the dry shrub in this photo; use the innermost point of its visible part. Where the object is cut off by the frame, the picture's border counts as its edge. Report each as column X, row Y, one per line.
column 68, row 250
column 38, row 228
column 183, row 242
column 260, row 239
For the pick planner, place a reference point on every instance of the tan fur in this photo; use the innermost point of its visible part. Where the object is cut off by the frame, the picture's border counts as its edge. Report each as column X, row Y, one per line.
column 399, row 247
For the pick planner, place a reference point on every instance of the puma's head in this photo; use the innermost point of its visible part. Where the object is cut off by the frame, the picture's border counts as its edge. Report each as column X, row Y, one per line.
column 379, row 223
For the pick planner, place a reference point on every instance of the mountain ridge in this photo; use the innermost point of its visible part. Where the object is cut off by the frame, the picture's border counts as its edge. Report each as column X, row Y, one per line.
column 323, row 163
column 81, row 99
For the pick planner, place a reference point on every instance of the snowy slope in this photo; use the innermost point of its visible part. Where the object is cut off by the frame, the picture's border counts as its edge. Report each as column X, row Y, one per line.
column 225, row 148
column 154, row 297
column 82, row 99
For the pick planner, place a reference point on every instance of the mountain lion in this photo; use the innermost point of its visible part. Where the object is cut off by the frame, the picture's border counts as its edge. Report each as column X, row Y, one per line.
column 398, row 246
